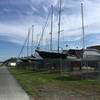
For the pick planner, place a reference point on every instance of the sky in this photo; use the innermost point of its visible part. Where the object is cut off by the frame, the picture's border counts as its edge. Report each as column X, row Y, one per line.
column 18, row 16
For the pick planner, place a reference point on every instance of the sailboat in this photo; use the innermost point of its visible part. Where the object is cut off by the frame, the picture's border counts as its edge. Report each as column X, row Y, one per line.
column 29, row 57
column 51, row 53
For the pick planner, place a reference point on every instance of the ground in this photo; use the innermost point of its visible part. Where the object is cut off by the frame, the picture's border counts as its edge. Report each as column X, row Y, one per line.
column 9, row 88
column 54, row 86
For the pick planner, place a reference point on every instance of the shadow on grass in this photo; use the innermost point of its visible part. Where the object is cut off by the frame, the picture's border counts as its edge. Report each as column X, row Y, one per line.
column 77, row 77
column 68, row 78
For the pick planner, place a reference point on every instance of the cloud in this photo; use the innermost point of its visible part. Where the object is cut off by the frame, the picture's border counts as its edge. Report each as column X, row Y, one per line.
column 16, row 17
column 13, row 39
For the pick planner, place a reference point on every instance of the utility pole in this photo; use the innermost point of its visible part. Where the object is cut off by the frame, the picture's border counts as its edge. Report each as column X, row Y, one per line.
column 59, row 28
column 51, row 27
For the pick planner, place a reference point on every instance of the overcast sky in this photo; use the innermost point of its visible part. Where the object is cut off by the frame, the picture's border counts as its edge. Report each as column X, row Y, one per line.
column 16, row 16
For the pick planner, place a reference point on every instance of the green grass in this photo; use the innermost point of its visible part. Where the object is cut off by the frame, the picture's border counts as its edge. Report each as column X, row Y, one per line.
column 32, row 82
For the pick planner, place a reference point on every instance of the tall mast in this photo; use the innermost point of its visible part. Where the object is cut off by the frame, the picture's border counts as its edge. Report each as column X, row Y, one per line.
column 51, row 27
column 28, row 43
column 59, row 28
column 32, row 40
column 25, row 43
column 83, row 32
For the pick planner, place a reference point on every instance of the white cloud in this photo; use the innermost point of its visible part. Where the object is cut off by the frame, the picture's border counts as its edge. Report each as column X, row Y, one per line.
column 70, row 23
column 34, row 9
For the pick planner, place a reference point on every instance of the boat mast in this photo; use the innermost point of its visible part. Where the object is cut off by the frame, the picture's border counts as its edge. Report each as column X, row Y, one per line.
column 32, row 40
column 59, row 28
column 25, row 43
column 28, row 43
column 51, row 27
column 83, row 32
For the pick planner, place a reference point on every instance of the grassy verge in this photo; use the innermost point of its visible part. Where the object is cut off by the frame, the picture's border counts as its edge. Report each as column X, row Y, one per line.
column 35, row 82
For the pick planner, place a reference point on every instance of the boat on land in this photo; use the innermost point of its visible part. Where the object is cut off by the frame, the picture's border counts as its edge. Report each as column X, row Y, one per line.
column 53, row 54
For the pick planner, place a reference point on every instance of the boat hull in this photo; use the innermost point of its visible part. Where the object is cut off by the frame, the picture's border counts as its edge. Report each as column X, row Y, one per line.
column 45, row 54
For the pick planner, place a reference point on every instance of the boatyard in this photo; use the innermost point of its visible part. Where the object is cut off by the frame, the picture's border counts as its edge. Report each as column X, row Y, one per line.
column 51, row 60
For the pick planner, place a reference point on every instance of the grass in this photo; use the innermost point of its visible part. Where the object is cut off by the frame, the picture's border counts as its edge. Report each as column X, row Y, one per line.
column 32, row 82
